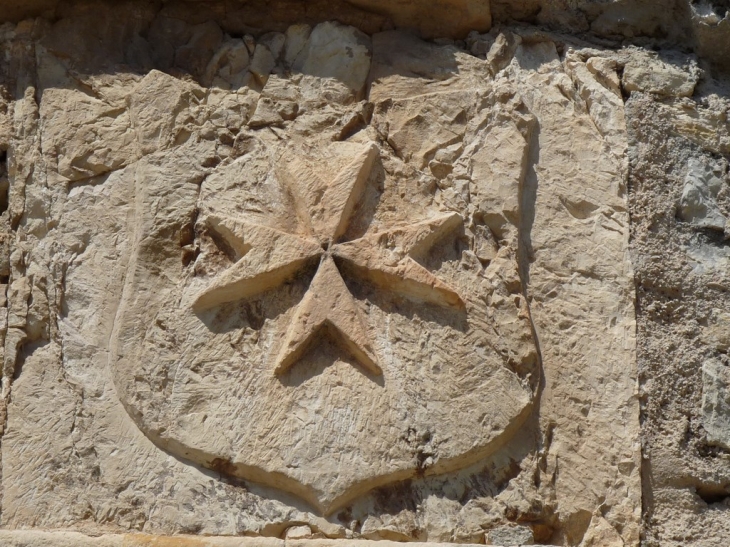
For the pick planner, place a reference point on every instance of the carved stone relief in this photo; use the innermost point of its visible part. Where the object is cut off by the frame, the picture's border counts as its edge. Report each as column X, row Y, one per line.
column 310, row 344
column 324, row 282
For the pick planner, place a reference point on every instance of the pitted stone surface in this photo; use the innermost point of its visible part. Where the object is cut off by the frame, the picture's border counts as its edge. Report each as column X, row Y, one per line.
column 275, row 277
column 276, row 333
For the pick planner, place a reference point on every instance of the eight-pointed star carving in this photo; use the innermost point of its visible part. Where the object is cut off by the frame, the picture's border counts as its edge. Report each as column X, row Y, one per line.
column 268, row 257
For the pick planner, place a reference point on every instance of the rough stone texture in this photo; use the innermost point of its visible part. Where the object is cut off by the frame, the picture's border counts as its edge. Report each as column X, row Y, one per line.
column 699, row 203
column 702, row 26
column 711, row 29
column 258, row 301
column 664, row 77
column 281, row 270
column 74, row 539
column 716, row 402
column 679, row 200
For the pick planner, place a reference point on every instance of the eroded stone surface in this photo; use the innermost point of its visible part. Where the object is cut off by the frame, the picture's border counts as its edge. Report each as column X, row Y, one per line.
column 314, row 280
column 678, row 200
column 716, row 402
column 351, row 225
column 674, row 76
column 699, row 201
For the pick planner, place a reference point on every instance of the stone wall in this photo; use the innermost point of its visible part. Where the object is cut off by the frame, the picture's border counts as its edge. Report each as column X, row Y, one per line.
column 321, row 273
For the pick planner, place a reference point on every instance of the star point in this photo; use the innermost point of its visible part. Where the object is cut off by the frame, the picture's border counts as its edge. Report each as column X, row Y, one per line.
column 388, row 259
column 325, row 207
column 268, row 257
column 328, row 305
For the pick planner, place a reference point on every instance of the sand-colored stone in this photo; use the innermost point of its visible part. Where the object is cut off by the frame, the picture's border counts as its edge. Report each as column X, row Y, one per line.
column 672, row 77
column 310, row 347
column 28, row 538
column 716, row 402
column 275, row 279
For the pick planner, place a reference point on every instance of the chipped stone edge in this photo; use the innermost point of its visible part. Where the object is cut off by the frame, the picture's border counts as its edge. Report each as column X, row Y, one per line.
column 62, row 538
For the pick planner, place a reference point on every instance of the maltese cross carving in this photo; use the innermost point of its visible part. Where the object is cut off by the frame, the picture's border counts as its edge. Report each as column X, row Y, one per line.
column 267, row 257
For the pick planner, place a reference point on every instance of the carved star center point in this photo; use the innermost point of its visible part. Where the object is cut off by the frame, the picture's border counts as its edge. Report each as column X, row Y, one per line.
column 269, row 257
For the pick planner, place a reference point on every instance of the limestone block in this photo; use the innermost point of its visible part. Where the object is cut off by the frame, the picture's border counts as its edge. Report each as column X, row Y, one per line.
column 563, row 156
column 318, row 288
column 674, row 77
column 336, row 52
column 325, row 234
column 716, row 402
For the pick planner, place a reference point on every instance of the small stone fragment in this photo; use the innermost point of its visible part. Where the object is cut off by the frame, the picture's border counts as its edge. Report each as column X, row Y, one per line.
column 250, row 42
column 439, row 169
column 716, row 402
column 479, row 44
column 502, row 50
column 650, row 74
column 717, row 333
column 265, row 115
column 297, row 37
column 228, row 64
column 262, row 64
column 327, row 528
column 298, row 532
column 698, row 204
column 605, row 71
column 485, row 246
column 510, row 536
column 339, row 52
column 274, row 41
column 278, row 103
column 238, row 57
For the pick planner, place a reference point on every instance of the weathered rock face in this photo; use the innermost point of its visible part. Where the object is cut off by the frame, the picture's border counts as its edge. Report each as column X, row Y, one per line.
column 679, row 181
column 287, row 271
